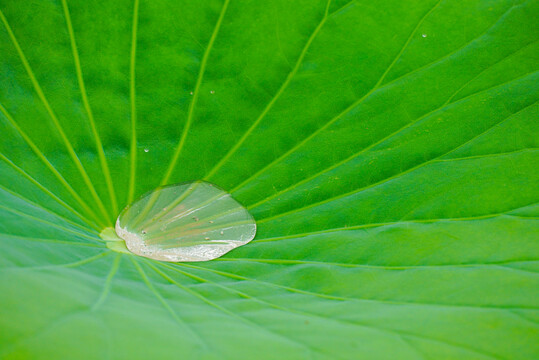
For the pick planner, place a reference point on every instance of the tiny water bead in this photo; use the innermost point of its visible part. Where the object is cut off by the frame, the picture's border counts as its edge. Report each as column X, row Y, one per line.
column 195, row 221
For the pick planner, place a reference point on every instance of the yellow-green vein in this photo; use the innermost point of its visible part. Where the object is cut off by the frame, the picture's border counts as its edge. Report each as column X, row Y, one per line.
column 274, row 99
column 108, row 282
column 345, row 111
column 55, row 120
column 196, row 94
column 39, row 206
column 80, row 78
column 47, row 163
column 399, row 130
column 38, row 219
column 132, row 101
column 165, row 304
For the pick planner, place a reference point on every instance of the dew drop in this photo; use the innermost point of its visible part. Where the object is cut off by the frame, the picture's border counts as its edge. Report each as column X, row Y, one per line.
column 146, row 150
column 424, row 35
column 212, row 92
column 175, row 221
column 191, row 93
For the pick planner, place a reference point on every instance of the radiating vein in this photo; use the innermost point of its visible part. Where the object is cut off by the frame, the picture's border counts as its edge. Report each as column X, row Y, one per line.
column 222, row 309
column 83, row 261
column 50, row 241
column 398, row 131
column 37, row 219
column 397, row 332
column 108, row 282
column 48, row 192
column 345, row 6
column 356, row 103
column 273, row 100
column 59, row 319
column 272, row 305
column 73, row 264
column 49, row 211
column 486, row 156
column 501, row 264
column 82, row 87
column 488, row 68
column 491, row 128
column 345, row 298
column 132, row 101
column 49, row 165
column 55, row 120
column 165, row 304
column 391, row 223
column 196, row 94
column 405, row 46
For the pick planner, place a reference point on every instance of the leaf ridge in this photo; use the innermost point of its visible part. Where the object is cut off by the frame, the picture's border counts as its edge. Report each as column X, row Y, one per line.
column 106, row 287
column 398, row 333
column 52, row 115
column 357, row 103
column 274, row 98
column 344, row 298
column 22, row 214
column 132, row 103
column 223, row 309
column 372, row 225
column 36, row 205
column 47, row 163
column 408, row 125
column 165, row 304
column 196, row 92
column 82, row 87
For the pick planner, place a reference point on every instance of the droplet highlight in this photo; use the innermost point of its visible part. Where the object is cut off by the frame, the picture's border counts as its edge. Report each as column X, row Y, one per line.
column 185, row 222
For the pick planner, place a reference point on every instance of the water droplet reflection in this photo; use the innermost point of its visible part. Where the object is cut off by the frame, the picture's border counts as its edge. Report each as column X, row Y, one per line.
column 182, row 222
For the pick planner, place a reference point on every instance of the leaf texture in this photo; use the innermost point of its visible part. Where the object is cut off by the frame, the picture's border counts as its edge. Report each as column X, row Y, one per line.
column 388, row 151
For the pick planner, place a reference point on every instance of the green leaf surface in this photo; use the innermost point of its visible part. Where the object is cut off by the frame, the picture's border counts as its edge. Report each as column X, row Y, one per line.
column 388, row 151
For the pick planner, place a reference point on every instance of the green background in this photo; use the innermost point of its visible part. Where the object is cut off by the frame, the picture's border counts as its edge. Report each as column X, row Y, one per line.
column 387, row 149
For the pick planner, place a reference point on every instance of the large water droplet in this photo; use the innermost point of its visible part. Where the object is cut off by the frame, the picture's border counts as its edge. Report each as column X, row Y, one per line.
column 185, row 222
